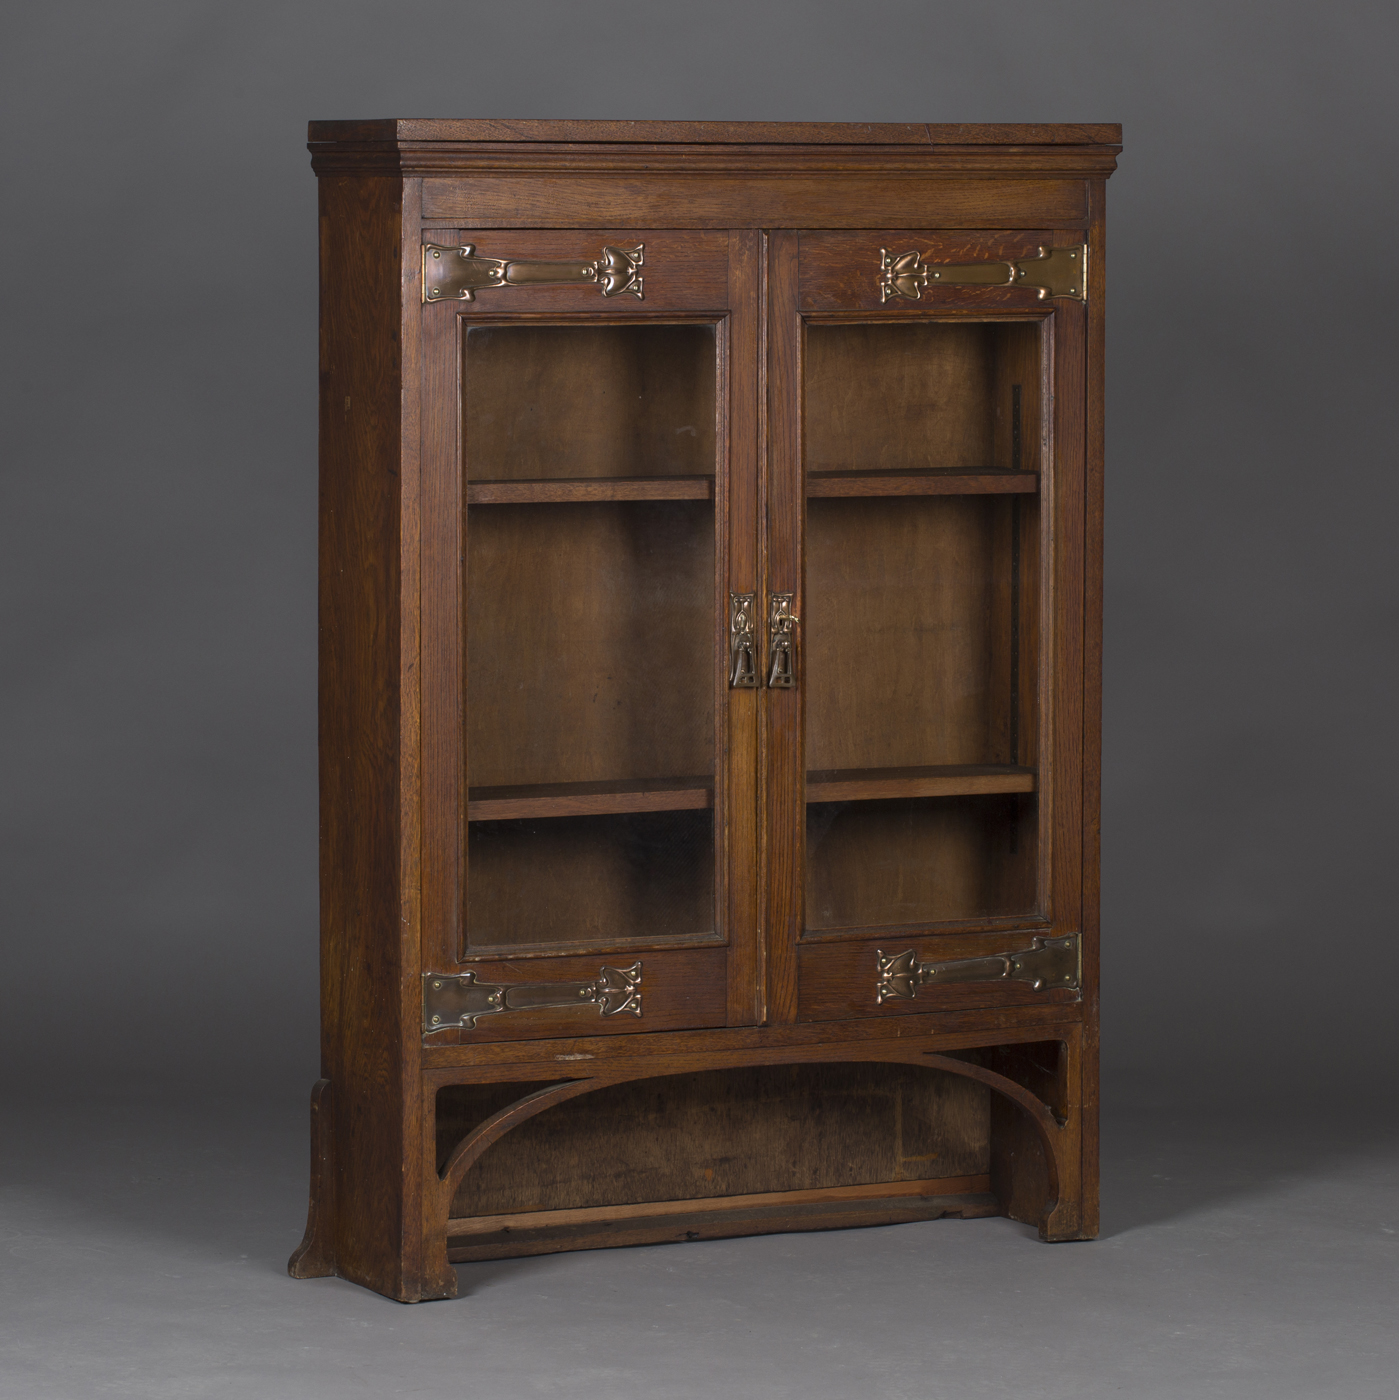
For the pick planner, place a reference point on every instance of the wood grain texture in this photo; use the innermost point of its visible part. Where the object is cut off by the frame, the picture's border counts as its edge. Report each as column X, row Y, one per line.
column 477, row 130
column 368, row 868
column 954, row 763
column 1057, row 1143
column 646, row 1053
column 945, row 481
column 900, row 646
column 474, row 1226
column 625, row 488
column 699, row 201
column 599, row 881
column 1063, row 627
column 920, row 861
column 574, row 612
column 722, row 1133
column 740, row 830
column 785, row 766
column 1092, row 700
column 908, row 397
column 578, row 401
column 314, row 1257
column 589, row 799
column 552, row 1231
column 948, row 780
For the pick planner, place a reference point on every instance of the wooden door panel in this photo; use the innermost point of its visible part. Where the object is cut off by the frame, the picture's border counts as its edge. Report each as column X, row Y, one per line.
column 578, row 470
column 931, row 475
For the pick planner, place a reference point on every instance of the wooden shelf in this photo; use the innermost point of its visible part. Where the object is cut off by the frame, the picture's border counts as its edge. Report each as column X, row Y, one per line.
column 939, row 481
column 716, row 1217
column 486, row 804
column 867, row 784
column 595, row 488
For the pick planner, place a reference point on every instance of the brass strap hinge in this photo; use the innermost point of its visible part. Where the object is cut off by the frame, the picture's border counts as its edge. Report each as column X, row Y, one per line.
column 458, row 274
column 1052, row 272
column 1047, row 963
column 459, row 1001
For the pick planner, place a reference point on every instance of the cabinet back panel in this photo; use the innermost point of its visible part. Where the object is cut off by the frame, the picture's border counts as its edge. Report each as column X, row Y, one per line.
column 920, row 860
column 919, row 395
column 909, row 631
column 724, row 1133
column 591, row 881
column 590, row 642
column 542, row 401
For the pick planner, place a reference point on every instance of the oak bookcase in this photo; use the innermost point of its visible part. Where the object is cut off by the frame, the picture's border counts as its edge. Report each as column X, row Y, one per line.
column 710, row 567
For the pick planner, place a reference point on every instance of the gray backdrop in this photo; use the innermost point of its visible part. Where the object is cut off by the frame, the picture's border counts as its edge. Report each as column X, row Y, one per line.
column 159, row 848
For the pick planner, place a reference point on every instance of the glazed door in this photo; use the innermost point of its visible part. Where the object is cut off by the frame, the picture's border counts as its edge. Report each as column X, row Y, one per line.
column 577, row 567
column 926, row 529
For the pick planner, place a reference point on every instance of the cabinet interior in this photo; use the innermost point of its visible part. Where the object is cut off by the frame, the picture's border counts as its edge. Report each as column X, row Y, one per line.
column 589, row 686
column 722, row 1133
column 922, row 444
column 554, row 402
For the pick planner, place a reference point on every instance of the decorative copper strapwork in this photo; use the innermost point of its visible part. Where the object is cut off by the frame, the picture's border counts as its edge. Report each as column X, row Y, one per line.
column 1052, row 272
column 1048, row 962
column 458, row 274
column 458, row 1001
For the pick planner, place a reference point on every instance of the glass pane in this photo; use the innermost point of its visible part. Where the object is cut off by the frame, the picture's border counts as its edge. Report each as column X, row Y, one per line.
column 921, row 623
column 546, row 401
column 590, row 634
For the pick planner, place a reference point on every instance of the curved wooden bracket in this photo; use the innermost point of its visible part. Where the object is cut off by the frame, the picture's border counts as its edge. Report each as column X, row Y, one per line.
column 468, row 1151
column 1047, row 1126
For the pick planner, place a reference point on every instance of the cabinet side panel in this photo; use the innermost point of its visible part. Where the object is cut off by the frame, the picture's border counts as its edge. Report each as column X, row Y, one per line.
column 360, row 634
column 1093, row 694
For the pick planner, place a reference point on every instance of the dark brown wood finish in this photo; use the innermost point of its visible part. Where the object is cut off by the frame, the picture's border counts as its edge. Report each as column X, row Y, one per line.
column 724, row 201
column 522, row 1233
column 534, row 509
column 1093, row 695
column 741, row 834
column 785, row 766
column 401, row 132
column 369, row 742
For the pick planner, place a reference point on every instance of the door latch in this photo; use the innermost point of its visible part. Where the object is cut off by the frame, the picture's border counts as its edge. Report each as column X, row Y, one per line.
column 781, row 643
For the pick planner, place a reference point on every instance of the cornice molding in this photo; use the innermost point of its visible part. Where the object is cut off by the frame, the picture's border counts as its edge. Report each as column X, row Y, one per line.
column 447, row 158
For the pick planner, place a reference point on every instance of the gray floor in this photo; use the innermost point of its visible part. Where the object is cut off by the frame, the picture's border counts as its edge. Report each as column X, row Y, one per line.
column 144, row 1256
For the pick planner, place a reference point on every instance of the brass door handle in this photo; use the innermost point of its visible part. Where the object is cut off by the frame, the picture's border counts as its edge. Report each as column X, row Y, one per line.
column 458, row 274
column 782, row 671
column 1054, row 272
column 743, row 664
